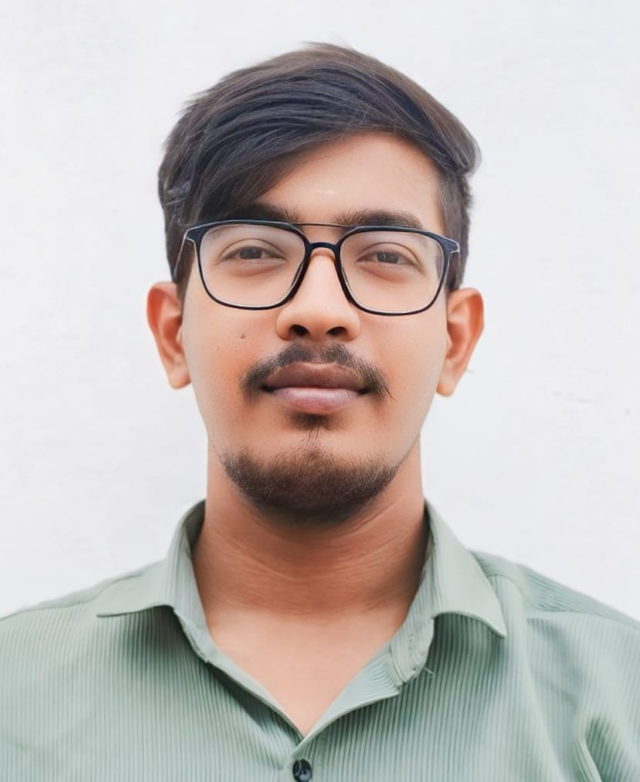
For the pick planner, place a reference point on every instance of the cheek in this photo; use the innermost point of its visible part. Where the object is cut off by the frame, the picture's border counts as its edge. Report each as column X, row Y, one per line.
column 219, row 347
column 413, row 364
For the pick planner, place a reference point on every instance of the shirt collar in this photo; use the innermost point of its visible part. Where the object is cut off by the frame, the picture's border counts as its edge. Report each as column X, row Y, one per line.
column 452, row 582
column 170, row 582
column 455, row 583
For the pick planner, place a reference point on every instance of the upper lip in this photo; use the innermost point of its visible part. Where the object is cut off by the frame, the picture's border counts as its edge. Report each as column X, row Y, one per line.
column 314, row 376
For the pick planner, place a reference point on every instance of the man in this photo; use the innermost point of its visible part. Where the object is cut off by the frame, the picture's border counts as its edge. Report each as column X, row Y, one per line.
column 315, row 618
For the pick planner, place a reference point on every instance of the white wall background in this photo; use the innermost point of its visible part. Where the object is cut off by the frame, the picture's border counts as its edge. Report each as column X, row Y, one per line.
column 535, row 458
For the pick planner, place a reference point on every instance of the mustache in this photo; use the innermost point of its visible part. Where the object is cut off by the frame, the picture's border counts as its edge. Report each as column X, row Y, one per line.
column 372, row 379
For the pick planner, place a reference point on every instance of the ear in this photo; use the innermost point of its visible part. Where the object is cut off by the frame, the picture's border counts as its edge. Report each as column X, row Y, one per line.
column 465, row 322
column 164, row 316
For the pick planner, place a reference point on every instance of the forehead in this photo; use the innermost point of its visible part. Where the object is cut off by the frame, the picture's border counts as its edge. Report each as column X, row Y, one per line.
column 363, row 174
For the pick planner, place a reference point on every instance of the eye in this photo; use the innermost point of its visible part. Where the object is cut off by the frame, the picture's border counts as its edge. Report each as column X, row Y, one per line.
column 251, row 252
column 387, row 256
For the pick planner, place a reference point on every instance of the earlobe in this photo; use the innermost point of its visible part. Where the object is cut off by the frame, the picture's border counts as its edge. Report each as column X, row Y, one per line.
column 465, row 323
column 164, row 316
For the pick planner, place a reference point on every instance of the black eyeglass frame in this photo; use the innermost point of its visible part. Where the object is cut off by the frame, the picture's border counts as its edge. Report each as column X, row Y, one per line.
column 195, row 234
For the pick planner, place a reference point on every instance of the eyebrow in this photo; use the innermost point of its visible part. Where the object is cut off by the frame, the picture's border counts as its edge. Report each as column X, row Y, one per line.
column 351, row 218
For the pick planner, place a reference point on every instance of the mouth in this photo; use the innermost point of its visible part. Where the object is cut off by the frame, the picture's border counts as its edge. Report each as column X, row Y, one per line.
column 315, row 389
column 315, row 401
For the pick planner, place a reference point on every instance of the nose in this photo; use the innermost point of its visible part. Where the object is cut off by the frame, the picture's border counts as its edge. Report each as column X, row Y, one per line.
column 319, row 310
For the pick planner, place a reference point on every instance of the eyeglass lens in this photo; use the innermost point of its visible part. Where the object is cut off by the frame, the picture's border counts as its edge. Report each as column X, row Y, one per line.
column 256, row 265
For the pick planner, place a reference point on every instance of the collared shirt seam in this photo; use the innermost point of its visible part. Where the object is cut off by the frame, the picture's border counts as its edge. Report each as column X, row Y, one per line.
column 551, row 610
column 57, row 605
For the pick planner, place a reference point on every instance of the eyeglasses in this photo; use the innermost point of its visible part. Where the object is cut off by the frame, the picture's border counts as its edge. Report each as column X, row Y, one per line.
column 260, row 264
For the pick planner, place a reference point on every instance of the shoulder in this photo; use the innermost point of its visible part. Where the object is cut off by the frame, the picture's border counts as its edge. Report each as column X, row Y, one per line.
column 56, row 625
column 579, row 656
column 543, row 598
column 569, row 640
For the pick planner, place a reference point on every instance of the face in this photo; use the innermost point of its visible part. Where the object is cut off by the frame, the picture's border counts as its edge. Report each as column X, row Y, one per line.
column 290, row 447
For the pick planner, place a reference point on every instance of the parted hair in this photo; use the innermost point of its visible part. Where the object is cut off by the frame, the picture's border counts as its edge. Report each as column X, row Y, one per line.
column 233, row 142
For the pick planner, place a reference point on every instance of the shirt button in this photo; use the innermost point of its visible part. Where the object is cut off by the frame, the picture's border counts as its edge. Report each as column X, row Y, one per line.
column 302, row 771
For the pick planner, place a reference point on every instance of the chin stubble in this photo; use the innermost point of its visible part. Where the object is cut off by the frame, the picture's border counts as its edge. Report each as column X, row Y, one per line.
column 308, row 486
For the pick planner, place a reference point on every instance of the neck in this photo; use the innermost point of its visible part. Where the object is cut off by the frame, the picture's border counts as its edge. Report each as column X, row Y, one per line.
column 247, row 563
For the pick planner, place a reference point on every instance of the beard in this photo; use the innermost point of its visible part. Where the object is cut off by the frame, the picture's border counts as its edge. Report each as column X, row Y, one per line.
column 308, row 486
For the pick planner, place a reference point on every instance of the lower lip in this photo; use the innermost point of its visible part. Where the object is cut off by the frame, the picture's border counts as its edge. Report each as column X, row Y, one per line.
column 316, row 400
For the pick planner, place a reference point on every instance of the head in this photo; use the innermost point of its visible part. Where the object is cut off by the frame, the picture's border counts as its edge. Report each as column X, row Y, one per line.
column 322, row 135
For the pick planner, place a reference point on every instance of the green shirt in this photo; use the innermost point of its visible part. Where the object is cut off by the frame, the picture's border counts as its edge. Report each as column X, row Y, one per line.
column 498, row 674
